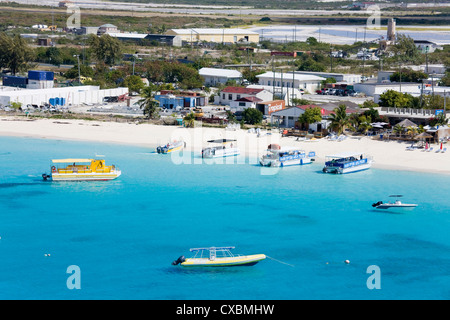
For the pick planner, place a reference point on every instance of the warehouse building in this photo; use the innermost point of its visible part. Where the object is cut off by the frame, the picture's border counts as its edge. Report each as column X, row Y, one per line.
column 67, row 96
column 231, row 35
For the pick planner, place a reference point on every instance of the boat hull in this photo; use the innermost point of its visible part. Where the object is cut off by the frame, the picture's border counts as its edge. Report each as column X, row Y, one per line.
column 340, row 170
column 396, row 206
column 85, row 176
column 172, row 148
column 278, row 163
column 224, row 262
column 220, row 153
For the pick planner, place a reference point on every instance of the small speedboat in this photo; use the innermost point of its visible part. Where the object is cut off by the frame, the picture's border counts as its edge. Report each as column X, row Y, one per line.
column 171, row 147
column 217, row 257
column 396, row 204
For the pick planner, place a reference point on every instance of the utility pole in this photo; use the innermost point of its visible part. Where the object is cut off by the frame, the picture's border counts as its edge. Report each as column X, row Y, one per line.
column 79, row 70
column 331, row 58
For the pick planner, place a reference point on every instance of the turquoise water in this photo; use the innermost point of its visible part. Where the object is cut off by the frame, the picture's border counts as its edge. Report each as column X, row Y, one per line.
column 124, row 234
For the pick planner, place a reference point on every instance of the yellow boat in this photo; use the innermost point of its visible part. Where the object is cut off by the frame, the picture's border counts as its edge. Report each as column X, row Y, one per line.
column 218, row 257
column 81, row 170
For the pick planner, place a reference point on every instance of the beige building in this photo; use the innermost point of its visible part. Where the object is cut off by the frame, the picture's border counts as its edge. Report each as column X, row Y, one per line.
column 231, row 35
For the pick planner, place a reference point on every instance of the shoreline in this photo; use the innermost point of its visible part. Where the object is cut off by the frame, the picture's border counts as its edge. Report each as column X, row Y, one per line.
column 390, row 155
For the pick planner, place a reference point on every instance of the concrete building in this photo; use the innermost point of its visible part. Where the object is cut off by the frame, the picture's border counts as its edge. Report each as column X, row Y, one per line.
column 71, row 95
column 286, row 94
column 230, row 94
column 340, row 77
column 86, row 30
column 160, row 38
column 384, row 76
column 288, row 117
column 269, row 107
column 215, row 76
column 426, row 46
column 168, row 100
column 375, row 89
column 244, row 103
column 107, row 28
column 305, row 82
column 230, row 35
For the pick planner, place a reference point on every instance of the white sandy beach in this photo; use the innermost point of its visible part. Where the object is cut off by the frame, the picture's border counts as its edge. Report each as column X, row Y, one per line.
column 386, row 155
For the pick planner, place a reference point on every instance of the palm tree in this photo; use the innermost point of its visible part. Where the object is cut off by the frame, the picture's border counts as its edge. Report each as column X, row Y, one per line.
column 364, row 124
column 339, row 119
column 398, row 130
column 148, row 103
column 412, row 131
column 189, row 120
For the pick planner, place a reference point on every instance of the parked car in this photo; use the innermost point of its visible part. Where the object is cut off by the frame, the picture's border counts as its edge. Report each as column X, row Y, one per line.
column 331, row 91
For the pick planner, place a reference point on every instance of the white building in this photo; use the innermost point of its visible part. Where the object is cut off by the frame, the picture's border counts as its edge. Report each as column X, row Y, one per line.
column 340, row 77
column 71, row 95
column 107, row 28
column 214, row 76
column 307, row 83
column 376, row 89
column 427, row 46
column 230, row 94
column 286, row 94
column 244, row 103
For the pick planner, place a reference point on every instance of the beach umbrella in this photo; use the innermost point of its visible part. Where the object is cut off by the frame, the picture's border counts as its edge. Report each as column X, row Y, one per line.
column 407, row 123
column 423, row 136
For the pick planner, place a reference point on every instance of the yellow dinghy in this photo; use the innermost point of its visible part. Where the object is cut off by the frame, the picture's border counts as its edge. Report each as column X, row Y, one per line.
column 218, row 257
column 81, row 170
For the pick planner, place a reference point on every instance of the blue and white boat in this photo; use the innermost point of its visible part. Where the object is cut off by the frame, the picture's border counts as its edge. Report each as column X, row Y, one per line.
column 347, row 162
column 286, row 156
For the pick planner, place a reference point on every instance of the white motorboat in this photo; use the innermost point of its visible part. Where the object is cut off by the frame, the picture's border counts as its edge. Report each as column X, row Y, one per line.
column 347, row 162
column 285, row 156
column 396, row 204
column 171, row 147
column 218, row 257
column 222, row 148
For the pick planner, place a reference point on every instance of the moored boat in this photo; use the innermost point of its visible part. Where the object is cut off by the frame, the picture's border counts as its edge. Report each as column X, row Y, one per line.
column 217, row 257
column 285, row 156
column 396, row 204
column 171, row 147
column 81, row 170
column 222, row 148
column 347, row 162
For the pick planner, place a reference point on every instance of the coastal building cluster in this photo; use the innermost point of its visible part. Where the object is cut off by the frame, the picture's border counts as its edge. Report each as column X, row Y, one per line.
column 281, row 96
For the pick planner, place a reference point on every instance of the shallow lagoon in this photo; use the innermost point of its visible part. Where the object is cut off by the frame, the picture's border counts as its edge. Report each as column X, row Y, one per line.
column 124, row 234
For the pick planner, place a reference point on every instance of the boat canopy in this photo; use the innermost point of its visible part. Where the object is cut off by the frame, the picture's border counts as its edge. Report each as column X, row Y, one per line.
column 221, row 140
column 345, row 155
column 71, row 160
column 211, row 248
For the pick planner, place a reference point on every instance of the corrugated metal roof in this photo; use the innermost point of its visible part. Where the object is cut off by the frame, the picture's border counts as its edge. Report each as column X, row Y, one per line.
column 220, row 72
